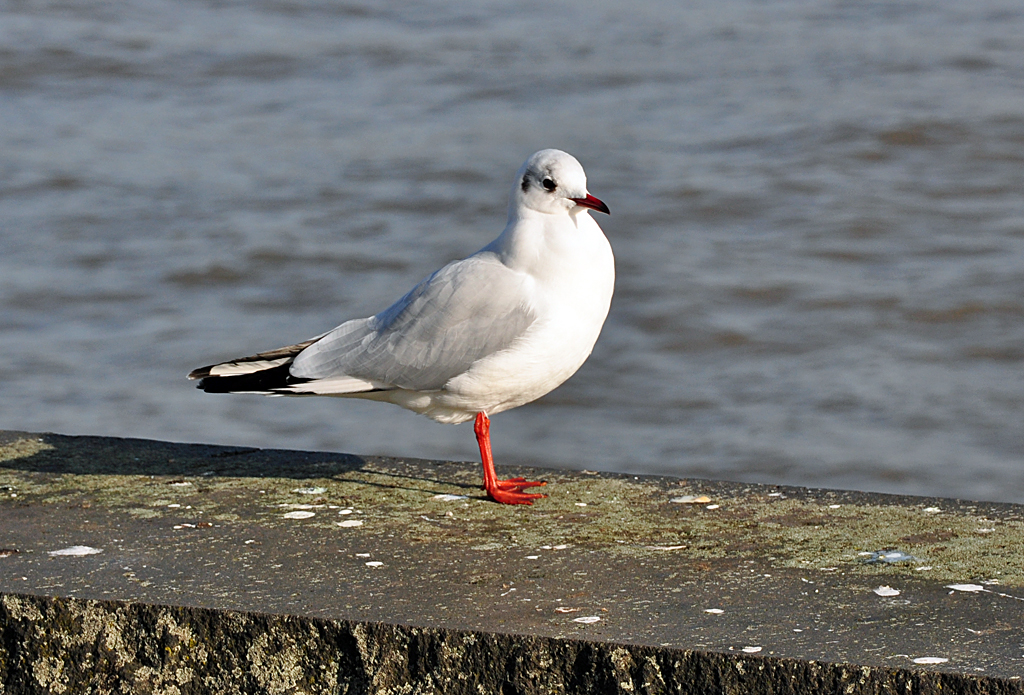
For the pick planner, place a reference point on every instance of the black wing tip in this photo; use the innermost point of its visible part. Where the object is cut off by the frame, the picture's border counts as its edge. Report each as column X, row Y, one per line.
column 275, row 377
column 264, row 381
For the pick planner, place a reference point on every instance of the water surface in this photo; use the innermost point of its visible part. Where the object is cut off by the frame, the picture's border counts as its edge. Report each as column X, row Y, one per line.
column 817, row 216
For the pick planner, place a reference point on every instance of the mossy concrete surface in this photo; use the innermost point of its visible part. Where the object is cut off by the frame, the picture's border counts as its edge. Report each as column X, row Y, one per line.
column 215, row 569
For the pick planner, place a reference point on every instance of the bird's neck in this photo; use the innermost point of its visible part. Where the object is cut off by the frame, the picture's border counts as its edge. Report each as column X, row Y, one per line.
column 538, row 243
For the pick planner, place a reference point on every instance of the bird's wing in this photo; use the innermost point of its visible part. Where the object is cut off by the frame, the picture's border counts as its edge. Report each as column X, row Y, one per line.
column 465, row 311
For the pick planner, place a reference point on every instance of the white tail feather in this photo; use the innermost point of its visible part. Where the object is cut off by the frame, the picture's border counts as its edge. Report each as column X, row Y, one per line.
column 333, row 385
column 239, row 368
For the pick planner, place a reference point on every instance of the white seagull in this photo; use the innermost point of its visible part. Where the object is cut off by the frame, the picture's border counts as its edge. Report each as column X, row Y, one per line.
column 481, row 335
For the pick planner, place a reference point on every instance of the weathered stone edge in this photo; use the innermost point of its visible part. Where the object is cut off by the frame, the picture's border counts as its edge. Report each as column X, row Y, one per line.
column 58, row 645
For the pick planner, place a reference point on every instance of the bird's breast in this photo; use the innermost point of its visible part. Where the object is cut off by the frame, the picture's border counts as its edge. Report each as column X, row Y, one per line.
column 570, row 293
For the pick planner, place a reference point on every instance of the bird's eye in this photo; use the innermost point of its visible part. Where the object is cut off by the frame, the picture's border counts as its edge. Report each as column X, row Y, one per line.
column 549, row 184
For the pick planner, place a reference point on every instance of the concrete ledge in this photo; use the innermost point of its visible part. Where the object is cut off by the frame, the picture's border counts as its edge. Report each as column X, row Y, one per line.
column 69, row 645
column 242, row 570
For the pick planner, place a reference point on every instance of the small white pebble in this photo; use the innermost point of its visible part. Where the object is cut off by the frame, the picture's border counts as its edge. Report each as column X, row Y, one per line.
column 299, row 515
column 581, row 504
column 362, row 555
column 310, row 490
column 932, row 510
column 796, row 629
column 923, row 568
column 587, row 619
column 930, row 660
column 449, row 498
column 715, row 611
column 560, row 547
column 886, row 591
column 374, row 563
column 345, row 511
column 533, row 557
column 691, row 499
column 713, row 506
column 249, row 541
column 351, row 523
column 751, row 650
column 834, row 506
column 174, row 506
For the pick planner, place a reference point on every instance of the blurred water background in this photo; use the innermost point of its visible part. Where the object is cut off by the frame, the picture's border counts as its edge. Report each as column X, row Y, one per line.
column 816, row 205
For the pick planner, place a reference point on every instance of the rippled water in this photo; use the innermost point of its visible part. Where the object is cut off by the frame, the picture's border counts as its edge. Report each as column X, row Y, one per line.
column 817, row 215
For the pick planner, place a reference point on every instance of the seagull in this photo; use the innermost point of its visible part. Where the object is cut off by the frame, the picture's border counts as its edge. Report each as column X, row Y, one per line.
column 484, row 334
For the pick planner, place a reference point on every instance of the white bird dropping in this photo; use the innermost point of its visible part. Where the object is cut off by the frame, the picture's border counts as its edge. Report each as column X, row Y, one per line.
column 75, row 551
column 886, row 591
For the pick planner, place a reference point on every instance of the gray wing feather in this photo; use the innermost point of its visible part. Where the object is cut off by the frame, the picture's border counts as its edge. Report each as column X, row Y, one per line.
column 465, row 311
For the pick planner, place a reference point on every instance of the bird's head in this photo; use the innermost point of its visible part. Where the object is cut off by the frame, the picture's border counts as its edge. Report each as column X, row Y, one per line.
column 553, row 182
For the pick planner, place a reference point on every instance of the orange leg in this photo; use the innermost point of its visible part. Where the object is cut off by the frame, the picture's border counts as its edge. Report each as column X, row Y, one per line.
column 505, row 491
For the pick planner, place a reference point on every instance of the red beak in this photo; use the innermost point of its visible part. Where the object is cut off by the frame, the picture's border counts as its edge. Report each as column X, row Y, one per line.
column 592, row 203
